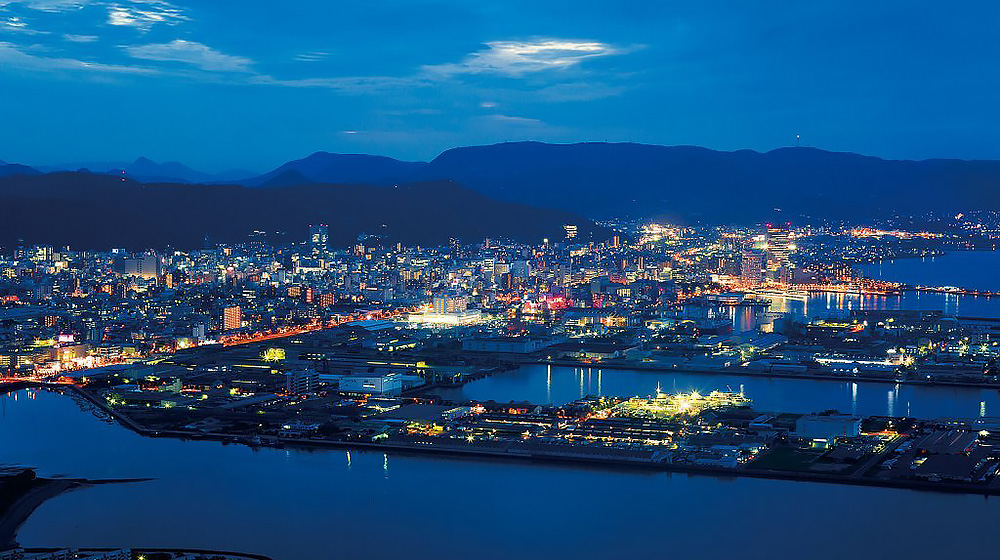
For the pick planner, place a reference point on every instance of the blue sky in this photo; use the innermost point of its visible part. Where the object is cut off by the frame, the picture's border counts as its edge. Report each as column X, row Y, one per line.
column 250, row 84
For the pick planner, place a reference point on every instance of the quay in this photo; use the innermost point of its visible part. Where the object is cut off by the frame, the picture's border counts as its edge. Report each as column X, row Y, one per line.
column 634, row 458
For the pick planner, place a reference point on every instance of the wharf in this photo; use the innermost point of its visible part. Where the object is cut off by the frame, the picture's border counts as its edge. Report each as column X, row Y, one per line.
column 559, row 454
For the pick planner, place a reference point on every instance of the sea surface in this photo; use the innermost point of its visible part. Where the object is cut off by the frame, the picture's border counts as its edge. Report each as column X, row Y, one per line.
column 965, row 269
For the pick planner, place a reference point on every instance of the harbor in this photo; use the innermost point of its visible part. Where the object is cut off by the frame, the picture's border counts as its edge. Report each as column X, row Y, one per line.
column 369, row 483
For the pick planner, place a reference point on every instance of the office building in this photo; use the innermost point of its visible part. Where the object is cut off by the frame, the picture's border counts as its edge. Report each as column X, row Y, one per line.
column 232, row 317
column 752, row 267
column 318, row 239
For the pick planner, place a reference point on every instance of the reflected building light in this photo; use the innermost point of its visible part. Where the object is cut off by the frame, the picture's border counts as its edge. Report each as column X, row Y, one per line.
column 548, row 383
column 890, row 404
column 854, row 399
column 348, row 460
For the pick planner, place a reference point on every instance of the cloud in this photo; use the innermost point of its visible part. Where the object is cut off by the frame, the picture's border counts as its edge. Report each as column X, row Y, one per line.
column 13, row 23
column 12, row 56
column 79, row 38
column 517, row 58
column 17, row 25
column 512, row 120
column 144, row 14
column 190, row 52
column 310, row 56
column 346, row 84
column 506, row 58
column 138, row 14
column 52, row 5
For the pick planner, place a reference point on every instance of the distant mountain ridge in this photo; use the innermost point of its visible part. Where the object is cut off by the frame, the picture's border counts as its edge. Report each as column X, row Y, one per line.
column 11, row 169
column 145, row 170
column 100, row 211
column 347, row 168
column 685, row 182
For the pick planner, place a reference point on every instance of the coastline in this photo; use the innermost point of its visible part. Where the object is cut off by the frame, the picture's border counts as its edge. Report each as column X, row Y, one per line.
column 555, row 457
column 19, row 510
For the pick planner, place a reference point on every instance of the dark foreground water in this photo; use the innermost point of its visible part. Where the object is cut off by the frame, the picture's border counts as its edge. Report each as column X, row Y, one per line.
column 332, row 504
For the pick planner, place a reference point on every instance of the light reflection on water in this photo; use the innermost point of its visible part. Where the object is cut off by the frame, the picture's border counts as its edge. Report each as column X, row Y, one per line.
column 971, row 269
column 560, row 385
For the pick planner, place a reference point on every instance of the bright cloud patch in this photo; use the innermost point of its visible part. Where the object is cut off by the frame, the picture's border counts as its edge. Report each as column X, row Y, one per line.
column 516, row 58
column 143, row 15
column 13, row 23
column 190, row 52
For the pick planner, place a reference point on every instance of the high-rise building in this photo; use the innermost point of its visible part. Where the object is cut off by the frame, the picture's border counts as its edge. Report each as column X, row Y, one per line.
column 779, row 245
column 232, row 317
column 318, row 238
column 571, row 231
column 752, row 267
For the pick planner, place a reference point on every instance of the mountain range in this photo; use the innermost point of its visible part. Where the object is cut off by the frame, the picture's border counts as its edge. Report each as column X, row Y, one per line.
column 683, row 183
column 686, row 183
column 146, row 170
column 100, row 211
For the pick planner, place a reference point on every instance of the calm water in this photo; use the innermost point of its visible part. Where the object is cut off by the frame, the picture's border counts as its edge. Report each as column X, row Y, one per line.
column 967, row 269
column 559, row 385
column 332, row 504
column 971, row 269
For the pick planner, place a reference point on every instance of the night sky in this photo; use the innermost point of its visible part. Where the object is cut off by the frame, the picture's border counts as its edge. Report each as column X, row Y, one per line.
column 250, row 84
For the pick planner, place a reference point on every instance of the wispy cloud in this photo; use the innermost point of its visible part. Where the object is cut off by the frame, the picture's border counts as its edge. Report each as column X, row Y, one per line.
column 346, row 84
column 512, row 120
column 517, row 58
column 144, row 14
column 51, row 5
column 13, row 56
column 506, row 58
column 138, row 14
column 79, row 38
column 15, row 24
column 503, row 58
column 310, row 56
column 191, row 52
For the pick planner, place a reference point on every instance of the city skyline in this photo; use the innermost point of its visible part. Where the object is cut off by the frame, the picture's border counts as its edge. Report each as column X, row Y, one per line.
column 226, row 87
column 439, row 278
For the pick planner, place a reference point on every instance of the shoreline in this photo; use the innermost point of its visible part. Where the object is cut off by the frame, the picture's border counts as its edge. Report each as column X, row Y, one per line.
column 18, row 512
column 553, row 457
